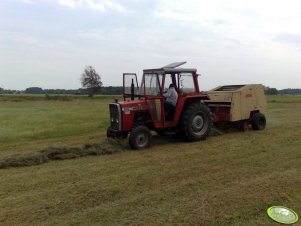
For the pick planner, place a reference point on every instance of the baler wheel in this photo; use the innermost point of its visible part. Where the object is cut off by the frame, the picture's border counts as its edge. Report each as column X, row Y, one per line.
column 258, row 121
column 196, row 122
column 140, row 137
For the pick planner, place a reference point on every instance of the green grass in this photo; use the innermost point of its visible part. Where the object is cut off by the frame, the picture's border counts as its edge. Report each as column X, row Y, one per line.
column 284, row 99
column 226, row 180
column 39, row 122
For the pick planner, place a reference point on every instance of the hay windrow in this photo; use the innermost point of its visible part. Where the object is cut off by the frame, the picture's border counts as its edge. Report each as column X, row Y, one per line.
column 56, row 153
column 61, row 153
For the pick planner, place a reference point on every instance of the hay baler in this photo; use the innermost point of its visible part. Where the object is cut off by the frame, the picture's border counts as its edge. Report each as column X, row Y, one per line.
column 243, row 105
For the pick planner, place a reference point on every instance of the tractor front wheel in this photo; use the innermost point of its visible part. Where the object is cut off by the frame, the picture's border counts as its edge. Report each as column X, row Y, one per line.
column 140, row 137
column 196, row 122
column 258, row 121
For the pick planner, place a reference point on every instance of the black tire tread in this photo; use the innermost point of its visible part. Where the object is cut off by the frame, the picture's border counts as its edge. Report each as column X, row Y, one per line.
column 258, row 121
column 190, row 110
column 135, row 132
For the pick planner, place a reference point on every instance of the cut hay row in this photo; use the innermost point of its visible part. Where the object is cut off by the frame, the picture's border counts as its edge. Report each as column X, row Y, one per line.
column 56, row 153
column 62, row 153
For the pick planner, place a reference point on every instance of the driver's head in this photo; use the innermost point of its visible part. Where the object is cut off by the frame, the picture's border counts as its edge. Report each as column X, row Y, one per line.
column 171, row 86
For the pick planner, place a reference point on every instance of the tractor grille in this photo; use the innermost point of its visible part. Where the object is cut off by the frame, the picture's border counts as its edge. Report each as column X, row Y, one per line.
column 115, row 116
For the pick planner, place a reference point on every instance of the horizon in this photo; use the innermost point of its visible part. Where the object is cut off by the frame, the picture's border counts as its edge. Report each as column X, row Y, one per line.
column 82, row 88
column 47, row 44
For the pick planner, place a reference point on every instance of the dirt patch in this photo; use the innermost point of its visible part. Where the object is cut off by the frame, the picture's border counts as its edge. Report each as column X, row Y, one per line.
column 57, row 153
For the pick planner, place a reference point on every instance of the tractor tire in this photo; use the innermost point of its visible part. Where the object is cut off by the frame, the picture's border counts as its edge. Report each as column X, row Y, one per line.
column 196, row 122
column 140, row 137
column 258, row 121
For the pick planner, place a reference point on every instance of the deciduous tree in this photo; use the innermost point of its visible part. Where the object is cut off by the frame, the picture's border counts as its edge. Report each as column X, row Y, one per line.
column 91, row 80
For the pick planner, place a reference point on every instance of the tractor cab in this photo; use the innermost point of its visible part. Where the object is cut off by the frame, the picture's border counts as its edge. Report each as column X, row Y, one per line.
column 155, row 82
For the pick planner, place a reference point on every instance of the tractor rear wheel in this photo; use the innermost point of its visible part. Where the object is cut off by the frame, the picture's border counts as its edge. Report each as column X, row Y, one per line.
column 140, row 137
column 196, row 122
column 258, row 121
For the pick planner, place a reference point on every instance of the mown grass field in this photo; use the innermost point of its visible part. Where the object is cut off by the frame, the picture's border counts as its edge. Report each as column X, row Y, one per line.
column 226, row 180
column 30, row 123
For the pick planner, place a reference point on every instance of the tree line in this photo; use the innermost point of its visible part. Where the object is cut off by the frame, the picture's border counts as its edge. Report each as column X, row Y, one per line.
column 90, row 80
column 274, row 91
column 105, row 90
column 92, row 84
column 116, row 90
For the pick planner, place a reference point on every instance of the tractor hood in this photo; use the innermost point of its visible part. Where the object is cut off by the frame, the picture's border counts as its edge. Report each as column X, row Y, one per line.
column 133, row 105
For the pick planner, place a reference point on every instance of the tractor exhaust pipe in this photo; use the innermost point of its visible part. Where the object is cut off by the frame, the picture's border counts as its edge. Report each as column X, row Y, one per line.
column 132, row 90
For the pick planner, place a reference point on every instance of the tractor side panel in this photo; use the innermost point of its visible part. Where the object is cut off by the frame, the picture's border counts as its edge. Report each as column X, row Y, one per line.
column 128, row 120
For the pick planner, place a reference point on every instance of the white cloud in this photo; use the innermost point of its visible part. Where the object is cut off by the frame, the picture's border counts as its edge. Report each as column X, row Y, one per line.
column 233, row 41
column 97, row 5
column 182, row 16
column 256, row 41
column 28, row 1
column 70, row 3
column 243, row 19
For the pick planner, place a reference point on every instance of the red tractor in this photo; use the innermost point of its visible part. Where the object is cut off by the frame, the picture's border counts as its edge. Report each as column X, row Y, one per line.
column 142, row 110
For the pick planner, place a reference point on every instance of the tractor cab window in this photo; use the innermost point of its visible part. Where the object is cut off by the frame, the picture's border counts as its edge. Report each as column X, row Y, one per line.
column 152, row 84
column 186, row 83
column 128, row 80
column 168, row 81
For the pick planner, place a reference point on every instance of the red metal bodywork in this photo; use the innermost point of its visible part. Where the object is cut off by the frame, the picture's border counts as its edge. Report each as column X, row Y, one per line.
column 220, row 113
column 129, row 110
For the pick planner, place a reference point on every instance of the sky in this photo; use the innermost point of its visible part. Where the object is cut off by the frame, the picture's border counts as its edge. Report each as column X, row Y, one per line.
column 48, row 43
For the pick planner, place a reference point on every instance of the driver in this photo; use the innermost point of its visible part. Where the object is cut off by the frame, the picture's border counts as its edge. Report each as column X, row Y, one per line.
column 171, row 98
